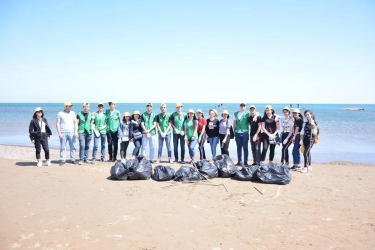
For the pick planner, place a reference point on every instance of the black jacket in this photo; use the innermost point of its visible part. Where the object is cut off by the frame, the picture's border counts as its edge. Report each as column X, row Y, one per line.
column 35, row 129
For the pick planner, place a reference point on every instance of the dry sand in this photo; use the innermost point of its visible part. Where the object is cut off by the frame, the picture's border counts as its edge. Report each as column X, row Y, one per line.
column 77, row 207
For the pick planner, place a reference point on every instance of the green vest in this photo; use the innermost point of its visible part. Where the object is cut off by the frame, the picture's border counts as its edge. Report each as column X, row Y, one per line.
column 113, row 120
column 100, row 121
column 164, row 122
column 189, row 124
column 148, row 120
column 178, row 121
column 84, row 124
column 242, row 123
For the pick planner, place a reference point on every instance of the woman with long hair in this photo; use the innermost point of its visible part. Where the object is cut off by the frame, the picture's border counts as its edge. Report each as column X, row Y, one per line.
column 309, row 134
column 212, row 131
column 123, row 135
column 202, row 136
column 286, row 124
column 270, row 129
column 39, row 132
column 224, row 132
column 298, row 123
column 135, row 133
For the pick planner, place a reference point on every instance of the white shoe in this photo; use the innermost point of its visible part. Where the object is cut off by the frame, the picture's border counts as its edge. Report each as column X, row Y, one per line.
column 40, row 164
column 310, row 168
column 123, row 161
column 48, row 163
column 304, row 170
column 157, row 161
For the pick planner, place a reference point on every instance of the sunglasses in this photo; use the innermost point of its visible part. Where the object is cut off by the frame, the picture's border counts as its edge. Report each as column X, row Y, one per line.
column 148, row 106
column 242, row 105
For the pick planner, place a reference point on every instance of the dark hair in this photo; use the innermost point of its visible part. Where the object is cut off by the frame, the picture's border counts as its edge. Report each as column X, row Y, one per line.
column 311, row 113
column 34, row 116
column 227, row 117
column 273, row 112
column 300, row 116
column 124, row 120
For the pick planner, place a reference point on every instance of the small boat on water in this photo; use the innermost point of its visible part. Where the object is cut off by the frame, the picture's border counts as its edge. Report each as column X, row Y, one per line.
column 353, row 109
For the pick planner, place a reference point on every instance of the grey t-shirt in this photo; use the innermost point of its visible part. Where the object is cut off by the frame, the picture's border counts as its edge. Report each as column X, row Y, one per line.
column 224, row 125
column 67, row 120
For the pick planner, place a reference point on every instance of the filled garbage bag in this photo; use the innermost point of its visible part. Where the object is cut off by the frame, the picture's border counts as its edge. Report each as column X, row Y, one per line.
column 225, row 166
column 186, row 173
column 274, row 173
column 163, row 173
column 247, row 173
column 140, row 170
column 119, row 171
column 207, row 168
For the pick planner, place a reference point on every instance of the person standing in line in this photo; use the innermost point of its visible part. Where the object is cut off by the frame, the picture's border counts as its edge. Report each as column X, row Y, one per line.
column 241, row 133
column 224, row 132
column 286, row 124
column 84, row 133
column 123, row 135
column 202, row 136
column 149, row 131
column 113, row 121
column 135, row 133
column 67, row 129
column 298, row 124
column 191, row 134
column 309, row 134
column 212, row 131
column 99, row 126
column 164, row 127
column 177, row 122
column 255, row 122
column 270, row 128
column 39, row 133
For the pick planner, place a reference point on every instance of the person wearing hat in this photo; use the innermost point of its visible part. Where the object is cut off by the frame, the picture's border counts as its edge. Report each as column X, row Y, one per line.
column 241, row 133
column 177, row 119
column 149, row 131
column 123, row 135
column 191, row 135
column 212, row 131
column 135, row 133
column 309, row 136
column 286, row 125
column 164, row 128
column 84, row 133
column 39, row 133
column 270, row 128
column 298, row 124
column 67, row 129
column 99, row 126
column 202, row 136
column 224, row 132
column 113, row 121
column 255, row 121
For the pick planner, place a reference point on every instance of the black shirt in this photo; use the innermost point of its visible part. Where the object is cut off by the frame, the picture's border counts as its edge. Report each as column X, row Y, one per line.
column 212, row 128
column 254, row 125
column 298, row 123
column 270, row 123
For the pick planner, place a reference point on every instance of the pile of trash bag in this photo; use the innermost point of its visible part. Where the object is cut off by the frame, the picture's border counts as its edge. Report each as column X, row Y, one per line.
column 186, row 173
column 274, row 173
column 163, row 173
column 133, row 169
column 225, row 166
column 119, row 171
column 248, row 173
column 207, row 168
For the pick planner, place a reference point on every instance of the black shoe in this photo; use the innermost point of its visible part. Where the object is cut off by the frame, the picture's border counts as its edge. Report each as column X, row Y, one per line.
column 182, row 162
column 114, row 160
column 239, row 163
column 102, row 159
column 294, row 168
column 245, row 163
column 110, row 159
column 74, row 162
column 254, row 164
column 61, row 163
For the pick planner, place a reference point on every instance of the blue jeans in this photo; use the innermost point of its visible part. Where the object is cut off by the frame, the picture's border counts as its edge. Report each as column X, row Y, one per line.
column 296, row 153
column 102, row 139
column 67, row 137
column 177, row 137
column 148, row 142
column 84, row 145
column 213, row 144
column 191, row 147
column 242, row 141
column 167, row 143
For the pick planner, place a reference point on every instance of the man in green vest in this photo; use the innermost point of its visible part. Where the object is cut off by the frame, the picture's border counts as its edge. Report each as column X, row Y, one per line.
column 84, row 133
column 164, row 127
column 113, row 122
column 177, row 122
column 99, row 126
column 241, row 133
column 148, row 125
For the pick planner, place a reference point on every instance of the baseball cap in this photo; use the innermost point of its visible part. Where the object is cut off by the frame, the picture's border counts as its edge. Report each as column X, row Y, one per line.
column 67, row 104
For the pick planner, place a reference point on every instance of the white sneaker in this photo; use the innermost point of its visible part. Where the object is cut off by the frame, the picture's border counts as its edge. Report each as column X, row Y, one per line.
column 48, row 163
column 40, row 164
column 304, row 170
column 123, row 161
column 310, row 168
column 170, row 161
column 157, row 161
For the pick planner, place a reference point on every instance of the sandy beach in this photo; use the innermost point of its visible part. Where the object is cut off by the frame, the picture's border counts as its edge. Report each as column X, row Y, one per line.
column 77, row 207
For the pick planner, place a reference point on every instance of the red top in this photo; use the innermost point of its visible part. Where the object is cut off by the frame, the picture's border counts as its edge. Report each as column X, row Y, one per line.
column 201, row 123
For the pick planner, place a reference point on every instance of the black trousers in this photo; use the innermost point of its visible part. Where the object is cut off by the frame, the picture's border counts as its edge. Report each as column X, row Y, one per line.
column 124, row 146
column 202, row 153
column 225, row 147
column 112, row 144
column 285, row 151
column 255, row 149
column 266, row 144
column 39, row 143
column 308, row 143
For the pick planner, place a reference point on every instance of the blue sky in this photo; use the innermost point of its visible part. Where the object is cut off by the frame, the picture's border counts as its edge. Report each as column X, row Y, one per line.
column 188, row 51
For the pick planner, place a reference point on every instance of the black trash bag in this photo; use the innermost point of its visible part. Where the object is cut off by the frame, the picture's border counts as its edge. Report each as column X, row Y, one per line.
column 186, row 173
column 163, row 173
column 207, row 168
column 119, row 171
column 247, row 173
column 225, row 166
column 274, row 173
column 140, row 170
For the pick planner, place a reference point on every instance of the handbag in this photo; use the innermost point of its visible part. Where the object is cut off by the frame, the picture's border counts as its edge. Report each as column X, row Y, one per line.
column 137, row 135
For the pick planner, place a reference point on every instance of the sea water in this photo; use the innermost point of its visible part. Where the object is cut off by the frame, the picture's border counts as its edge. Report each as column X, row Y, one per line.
column 344, row 135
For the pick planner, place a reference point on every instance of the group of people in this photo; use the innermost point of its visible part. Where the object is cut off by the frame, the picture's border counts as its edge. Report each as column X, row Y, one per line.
column 191, row 128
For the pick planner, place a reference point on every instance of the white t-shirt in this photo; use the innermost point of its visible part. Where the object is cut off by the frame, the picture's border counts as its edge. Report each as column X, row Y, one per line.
column 67, row 121
column 286, row 125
